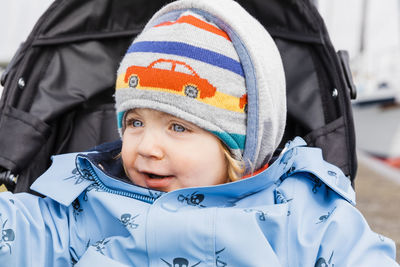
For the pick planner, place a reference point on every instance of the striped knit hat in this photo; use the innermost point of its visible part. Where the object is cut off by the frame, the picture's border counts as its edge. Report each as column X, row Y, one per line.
column 190, row 62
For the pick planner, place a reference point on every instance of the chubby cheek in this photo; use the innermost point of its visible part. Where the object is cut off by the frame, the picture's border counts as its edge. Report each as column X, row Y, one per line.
column 203, row 169
column 128, row 156
column 218, row 169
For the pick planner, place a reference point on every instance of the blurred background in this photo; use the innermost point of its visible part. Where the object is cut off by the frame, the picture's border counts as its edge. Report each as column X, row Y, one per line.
column 370, row 31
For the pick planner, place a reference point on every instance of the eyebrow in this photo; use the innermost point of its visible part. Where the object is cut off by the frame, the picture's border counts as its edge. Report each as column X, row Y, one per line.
column 129, row 113
column 163, row 115
column 160, row 113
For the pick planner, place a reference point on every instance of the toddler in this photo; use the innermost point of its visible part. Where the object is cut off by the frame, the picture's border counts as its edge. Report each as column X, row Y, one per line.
column 201, row 106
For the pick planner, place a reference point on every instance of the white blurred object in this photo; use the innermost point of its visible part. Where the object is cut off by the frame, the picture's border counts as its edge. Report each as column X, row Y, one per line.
column 378, row 130
column 17, row 18
column 370, row 31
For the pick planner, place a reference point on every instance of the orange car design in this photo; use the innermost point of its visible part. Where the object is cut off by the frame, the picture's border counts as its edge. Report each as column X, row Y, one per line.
column 243, row 102
column 172, row 75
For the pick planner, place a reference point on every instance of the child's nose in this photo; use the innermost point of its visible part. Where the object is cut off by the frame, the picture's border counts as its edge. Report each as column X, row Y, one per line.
column 151, row 146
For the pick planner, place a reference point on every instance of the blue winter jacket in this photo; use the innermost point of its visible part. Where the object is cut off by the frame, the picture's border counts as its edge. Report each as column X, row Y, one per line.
column 298, row 212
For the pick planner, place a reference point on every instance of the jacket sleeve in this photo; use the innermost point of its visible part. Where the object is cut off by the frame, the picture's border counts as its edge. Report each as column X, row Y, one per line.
column 330, row 231
column 349, row 241
column 34, row 231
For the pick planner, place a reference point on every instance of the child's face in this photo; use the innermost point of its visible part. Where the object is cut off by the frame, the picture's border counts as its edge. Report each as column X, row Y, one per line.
column 163, row 152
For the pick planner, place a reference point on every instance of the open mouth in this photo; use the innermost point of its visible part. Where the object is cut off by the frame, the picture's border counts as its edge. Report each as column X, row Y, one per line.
column 155, row 176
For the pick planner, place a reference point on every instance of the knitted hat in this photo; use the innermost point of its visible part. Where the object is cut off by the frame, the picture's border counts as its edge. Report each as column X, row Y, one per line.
column 210, row 63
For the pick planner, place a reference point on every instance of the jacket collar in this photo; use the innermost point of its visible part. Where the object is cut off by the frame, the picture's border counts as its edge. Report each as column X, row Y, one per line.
column 62, row 182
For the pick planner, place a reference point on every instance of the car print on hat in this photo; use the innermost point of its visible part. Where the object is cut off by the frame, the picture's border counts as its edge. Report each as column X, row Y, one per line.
column 159, row 75
column 171, row 75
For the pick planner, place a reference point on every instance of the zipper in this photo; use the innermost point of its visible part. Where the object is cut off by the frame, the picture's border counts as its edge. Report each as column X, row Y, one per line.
column 137, row 196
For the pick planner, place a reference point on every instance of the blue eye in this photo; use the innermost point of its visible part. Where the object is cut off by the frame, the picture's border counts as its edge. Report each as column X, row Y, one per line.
column 137, row 123
column 178, row 128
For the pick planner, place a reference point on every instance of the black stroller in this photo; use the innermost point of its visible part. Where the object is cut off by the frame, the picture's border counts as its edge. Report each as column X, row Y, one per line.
column 58, row 88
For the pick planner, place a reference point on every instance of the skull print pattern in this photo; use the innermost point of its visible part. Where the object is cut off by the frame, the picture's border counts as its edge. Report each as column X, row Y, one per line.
column 7, row 235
